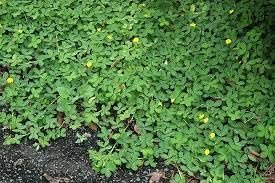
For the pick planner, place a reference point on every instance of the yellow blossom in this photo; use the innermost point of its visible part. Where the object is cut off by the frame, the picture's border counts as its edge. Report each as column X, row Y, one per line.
column 110, row 37
column 201, row 116
column 89, row 64
column 173, row 100
column 20, row 31
column 206, row 152
column 146, row 15
column 205, row 120
column 10, row 80
column 193, row 24
column 228, row 41
column 135, row 40
column 212, row 135
column 231, row 11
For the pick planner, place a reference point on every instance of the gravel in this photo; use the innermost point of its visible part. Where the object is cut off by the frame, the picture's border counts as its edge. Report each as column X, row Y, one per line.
column 63, row 160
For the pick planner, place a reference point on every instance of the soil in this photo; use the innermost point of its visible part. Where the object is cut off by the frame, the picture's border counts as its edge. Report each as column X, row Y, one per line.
column 270, row 174
column 63, row 161
column 68, row 162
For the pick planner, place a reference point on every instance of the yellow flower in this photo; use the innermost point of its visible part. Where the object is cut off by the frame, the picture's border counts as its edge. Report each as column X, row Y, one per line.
column 110, row 37
column 89, row 64
column 212, row 135
column 10, row 80
column 173, row 100
column 228, row 41
column 20, row 31
column 160, row 103
column 206, row 152
column 135, row 40
column 205, row 120
column 231, row 11
column 146, row 15
column 193, row 24
column 201, row 116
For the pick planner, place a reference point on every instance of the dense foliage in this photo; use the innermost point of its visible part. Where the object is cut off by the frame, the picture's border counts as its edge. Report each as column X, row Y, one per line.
column 187, row 82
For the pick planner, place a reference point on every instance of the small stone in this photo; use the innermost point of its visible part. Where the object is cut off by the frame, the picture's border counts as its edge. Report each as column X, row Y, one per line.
column 18, row 162
column 87, row 135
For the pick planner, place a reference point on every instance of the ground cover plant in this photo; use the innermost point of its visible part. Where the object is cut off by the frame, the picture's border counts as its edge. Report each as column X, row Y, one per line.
column 190, row 83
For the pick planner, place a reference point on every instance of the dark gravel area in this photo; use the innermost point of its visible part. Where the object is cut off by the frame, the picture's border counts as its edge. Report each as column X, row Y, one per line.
column 63, row 160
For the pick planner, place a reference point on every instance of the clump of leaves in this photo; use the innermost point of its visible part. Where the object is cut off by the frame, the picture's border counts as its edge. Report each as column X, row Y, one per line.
column 188, row 82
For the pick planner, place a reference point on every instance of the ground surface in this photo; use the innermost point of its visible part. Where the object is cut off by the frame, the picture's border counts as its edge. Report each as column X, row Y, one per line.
column 63, row 159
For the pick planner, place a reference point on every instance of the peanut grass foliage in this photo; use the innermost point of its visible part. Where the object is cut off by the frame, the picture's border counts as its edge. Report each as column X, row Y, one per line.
column 190, row 83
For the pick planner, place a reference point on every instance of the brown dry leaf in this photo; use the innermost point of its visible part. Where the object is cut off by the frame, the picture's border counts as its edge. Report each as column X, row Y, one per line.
column 51, row 179
column 60, row 119
column 136, row 129
column 254, row 153
column 93, row 127
column 111, row 135
column 270, row 180
column 270, row 170
column 193, row 180
column 156, row 176
column 270, row 174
